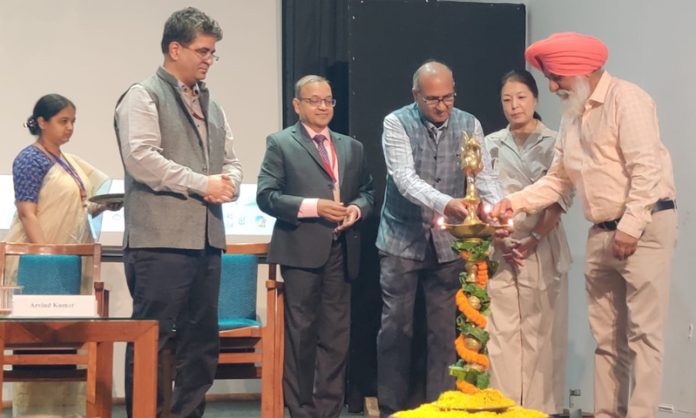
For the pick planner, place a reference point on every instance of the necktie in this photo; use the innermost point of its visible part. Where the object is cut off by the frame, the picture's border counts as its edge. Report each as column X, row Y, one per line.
column 319, row 140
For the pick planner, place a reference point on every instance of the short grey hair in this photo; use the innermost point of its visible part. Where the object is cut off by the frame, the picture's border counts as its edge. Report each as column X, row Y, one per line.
column 429, row 67
column 185, row 24
column 307, row 80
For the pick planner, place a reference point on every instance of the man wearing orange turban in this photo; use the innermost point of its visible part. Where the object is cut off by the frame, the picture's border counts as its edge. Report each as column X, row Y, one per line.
column 609, row 149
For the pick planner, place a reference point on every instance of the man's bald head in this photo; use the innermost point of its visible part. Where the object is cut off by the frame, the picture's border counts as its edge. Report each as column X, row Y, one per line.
column 431, row 69
column 433, row 91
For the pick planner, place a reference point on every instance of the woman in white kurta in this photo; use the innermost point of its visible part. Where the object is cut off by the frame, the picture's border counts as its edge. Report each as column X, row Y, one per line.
column 529, row 313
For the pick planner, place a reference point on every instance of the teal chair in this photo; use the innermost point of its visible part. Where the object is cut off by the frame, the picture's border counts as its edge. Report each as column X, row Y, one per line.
column 52, row 269
column 50, row 274
column 249, row 348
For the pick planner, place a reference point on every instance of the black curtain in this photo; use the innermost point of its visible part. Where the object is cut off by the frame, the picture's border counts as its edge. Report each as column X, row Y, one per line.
column 369, row 49
column 315, row 41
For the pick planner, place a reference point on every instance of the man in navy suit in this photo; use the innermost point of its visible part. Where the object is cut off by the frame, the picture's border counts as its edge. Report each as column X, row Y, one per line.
column 315, row 183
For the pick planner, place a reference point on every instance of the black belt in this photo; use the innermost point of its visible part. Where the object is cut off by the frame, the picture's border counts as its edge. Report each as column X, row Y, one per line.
column 660, row 205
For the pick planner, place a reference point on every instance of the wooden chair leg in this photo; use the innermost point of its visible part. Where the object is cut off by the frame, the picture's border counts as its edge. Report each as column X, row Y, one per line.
column 167, row 379
column 278, row 364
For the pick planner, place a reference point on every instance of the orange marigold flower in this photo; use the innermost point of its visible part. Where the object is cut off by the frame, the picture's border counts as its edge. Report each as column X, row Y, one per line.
column 469, row 312
column 470, row 356
column 466, row 387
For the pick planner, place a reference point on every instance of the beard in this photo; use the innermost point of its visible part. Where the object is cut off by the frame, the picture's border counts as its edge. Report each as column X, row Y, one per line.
column 573, row 101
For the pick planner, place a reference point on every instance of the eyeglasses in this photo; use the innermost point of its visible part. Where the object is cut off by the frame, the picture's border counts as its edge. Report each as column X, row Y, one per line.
column 204, row 54
column 316, row 102
column 447, row 99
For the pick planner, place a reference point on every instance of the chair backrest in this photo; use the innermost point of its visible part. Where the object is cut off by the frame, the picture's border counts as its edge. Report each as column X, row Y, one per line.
column 50, row 268
column 238, row 284
column 50, row 274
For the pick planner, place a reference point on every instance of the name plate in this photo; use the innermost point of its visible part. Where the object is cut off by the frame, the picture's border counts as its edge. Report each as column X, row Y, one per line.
column 54, row 306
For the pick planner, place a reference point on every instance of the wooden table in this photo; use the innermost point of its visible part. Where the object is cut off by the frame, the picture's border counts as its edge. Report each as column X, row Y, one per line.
column 102, row 333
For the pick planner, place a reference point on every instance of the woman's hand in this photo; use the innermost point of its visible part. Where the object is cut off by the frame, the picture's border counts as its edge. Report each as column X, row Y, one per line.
column 526, row 246
column 95, row 209
column 516, row 251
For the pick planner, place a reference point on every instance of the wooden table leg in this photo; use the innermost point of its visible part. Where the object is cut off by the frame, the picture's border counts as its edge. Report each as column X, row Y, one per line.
column 145, row 374
column 104, row 379
column 2, row 360
column 91, row 385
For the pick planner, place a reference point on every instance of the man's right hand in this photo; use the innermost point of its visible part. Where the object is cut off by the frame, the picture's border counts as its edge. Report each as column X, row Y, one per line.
column 456, row 209
column 220, row 189
column 331, row 210
column 503, row 210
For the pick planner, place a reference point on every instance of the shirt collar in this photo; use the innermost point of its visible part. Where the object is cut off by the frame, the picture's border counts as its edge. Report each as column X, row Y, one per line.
column 601, row 89
column 540, row 132
column 436, row 131
column 312, row 133
column 185, row 89
column 197, row 88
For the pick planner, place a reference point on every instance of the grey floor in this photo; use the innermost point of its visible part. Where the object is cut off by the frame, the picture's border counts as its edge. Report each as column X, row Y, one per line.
column 219, row 409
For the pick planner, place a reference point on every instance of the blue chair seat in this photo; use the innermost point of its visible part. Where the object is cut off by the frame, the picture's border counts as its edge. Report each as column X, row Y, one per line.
column 227, row 324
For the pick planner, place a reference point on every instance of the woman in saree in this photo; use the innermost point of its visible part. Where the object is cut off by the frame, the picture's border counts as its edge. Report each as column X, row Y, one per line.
column 529, row 312
column 51, row 195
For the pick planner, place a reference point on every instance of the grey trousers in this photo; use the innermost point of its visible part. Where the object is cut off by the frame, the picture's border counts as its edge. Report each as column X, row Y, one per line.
column 400, row 278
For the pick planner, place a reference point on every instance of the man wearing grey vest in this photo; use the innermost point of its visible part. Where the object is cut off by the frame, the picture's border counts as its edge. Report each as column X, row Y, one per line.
column 424, row 183
column 179, row 163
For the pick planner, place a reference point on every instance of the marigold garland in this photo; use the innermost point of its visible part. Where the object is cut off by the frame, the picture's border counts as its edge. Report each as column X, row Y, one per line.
column 469, row 312
column 470, row 356
column 486, row 398
column 466, row 387
column 477, row 404
column 481, row 273
column 471, row 370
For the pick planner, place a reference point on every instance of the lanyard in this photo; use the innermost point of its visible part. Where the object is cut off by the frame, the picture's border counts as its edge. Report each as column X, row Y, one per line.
column 65, row 164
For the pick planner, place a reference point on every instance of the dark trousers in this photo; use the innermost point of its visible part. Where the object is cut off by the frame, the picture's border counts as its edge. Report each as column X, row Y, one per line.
column 317, row 334
column 399, row 279
column 179, row 288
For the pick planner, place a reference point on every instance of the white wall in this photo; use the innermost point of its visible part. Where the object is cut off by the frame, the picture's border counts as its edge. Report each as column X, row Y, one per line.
column 650, row 43
column 92, row 51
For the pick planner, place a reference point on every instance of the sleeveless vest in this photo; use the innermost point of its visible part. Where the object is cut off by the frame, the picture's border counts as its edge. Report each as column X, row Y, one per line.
column 170, row 220
column 406, row 228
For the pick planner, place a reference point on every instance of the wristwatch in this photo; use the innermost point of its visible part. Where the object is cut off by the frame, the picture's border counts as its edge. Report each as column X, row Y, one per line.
column 537, row 236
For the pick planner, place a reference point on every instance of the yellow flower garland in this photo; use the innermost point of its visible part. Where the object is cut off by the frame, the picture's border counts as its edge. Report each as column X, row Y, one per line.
column 453, row 404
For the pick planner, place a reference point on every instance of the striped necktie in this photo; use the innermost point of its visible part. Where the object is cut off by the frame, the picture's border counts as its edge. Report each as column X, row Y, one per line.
column 319, row 140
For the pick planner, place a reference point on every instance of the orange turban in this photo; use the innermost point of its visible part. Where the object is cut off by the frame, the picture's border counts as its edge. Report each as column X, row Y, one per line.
column 567, row 54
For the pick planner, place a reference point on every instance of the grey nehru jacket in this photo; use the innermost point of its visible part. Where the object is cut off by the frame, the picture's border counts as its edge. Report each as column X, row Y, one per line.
column 406, row 227
column 166, row 177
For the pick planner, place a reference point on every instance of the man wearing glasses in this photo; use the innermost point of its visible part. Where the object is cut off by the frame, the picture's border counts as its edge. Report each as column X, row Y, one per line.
column 424, row 183
column 315, row 183
column 180, row 166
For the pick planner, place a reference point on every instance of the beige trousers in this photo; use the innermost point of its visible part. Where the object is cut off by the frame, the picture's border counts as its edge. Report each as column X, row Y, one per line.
column 528, row 334
column 627, row 303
